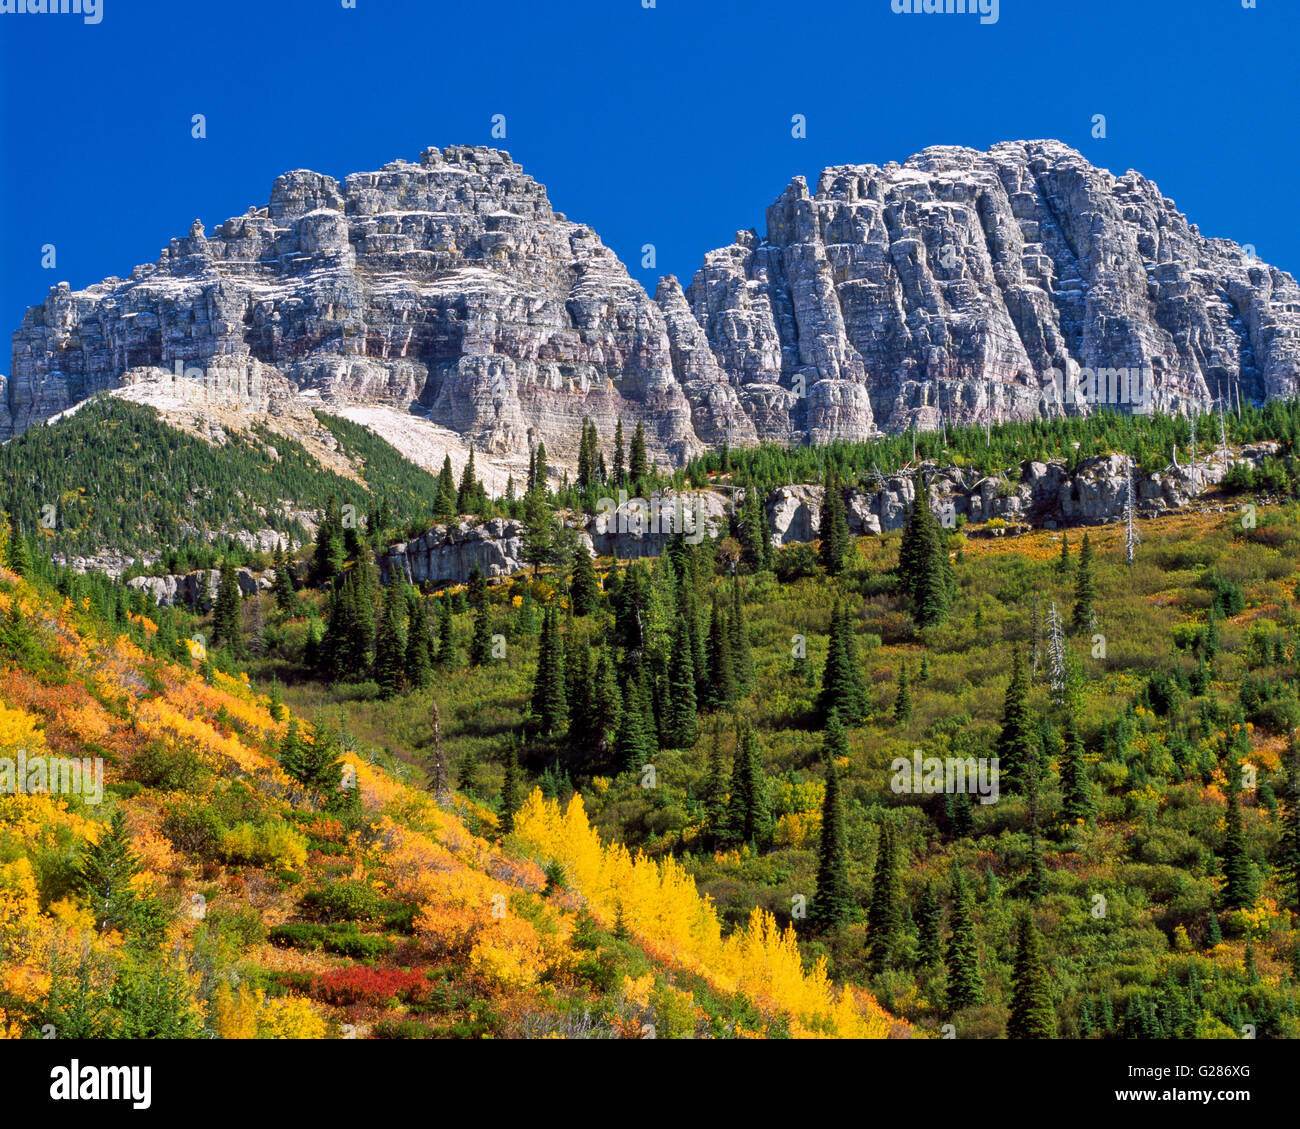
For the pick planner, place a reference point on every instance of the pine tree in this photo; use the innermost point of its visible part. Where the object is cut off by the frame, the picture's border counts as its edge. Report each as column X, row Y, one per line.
column 722, row 676
column 638, row 467
column 390, row 647
column 18, row 553
column 1018, row 741
column 748, row 817
column 924, row 675
column 682, row 731
column 446, row 499
column 842, row 688
column 833, row 528
column 548, row 702
column 754, row 534
column 586, row 457
column 833, row 901
column 1032, row 1015
column 543, row 470
column 1085, row 590
column 607, row 702
column 585, row 586
column 619, row 473
column 419, row 661
column 930, row 933
column 291, row 750
column 480, row 646
column 1065, row 553
column 884, row 915
column 107, row 869
column 227, row 625
column 286, row 598
column 1077, row 799
column 637, row 741
column 965, row 985
column 467, row 495
column 903, row 705
column 329, row 554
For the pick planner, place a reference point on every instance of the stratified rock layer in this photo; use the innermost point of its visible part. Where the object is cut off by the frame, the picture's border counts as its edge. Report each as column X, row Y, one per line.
column 960, row 286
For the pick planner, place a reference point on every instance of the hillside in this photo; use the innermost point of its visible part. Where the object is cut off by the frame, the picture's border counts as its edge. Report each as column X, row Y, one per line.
column 248, row 875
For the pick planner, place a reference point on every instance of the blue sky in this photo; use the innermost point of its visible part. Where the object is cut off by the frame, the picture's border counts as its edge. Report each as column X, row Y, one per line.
column 669, row 125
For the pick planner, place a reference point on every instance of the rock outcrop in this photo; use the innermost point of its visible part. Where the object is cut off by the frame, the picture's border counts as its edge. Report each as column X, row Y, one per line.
column 198, row 590
column 960, row 286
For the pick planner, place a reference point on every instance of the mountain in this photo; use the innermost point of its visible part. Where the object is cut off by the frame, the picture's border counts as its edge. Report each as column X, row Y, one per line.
column 446, row 303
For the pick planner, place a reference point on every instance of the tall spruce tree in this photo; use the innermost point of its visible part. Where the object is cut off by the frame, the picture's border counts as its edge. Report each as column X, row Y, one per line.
column 722, row 676
column 681, row 727
column 833, row 900
column 1018, row 741
column 446, row 651
column 1076, row 803
column 227, row 621
column 1032, row 1014
column 1288, row 864
column 1238, row 884
column 549, row 704
column 884, row 915
column 965, row 984
column 446, row 500
column 390, row 647
column 480, row 645
column 419, row 660
column 638, row 467
column 106, row 873
column 1085, row 590
column 833, row 528
column 742, row 659
column 749, row 814
column 620, row 475
column 585, row 586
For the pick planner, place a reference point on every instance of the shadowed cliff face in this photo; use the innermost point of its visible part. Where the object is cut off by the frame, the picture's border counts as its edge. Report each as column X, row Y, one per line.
column 960, row 285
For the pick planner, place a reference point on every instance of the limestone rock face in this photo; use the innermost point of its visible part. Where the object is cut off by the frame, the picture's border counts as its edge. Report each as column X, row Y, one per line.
column 449, row 288
column 198, row 590
column 448, row 554
column 972, row 286
column 960, row 286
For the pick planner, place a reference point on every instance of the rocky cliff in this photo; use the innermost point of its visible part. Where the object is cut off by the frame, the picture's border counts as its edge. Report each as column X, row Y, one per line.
column 959, row 285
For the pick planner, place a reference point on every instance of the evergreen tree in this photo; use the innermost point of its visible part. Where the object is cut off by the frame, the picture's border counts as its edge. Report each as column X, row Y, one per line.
column 419, row 660
column 1085, row 590
column 842, row 688
column 320, row 768
column 619, row 474
column 586, row 456
column 722, row 677
column 903, row 705
column 446, row 499
column 539, row 530
column 1032, row 1015
column 748, row 816
column 227, row 621
column 1077, row 799
column 292, row 751
column 104, row 876
column 467, row 495
column 965, row 985
column 548, row 702
column 833, row 528
column 924, row 570
column 715, row 793
column 543, row 470
column 329, row 554
column 607, row 703
column 1065, row 552
column 681, row 727
column 833, row 901
column 585, row 586
column 1018, row 741
column 286, row 598
column 18, row 553
column 638, row 467
column 390, row 648
column 930, row 933
column 884, row 915
column 637, row 741
column 480, row 646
